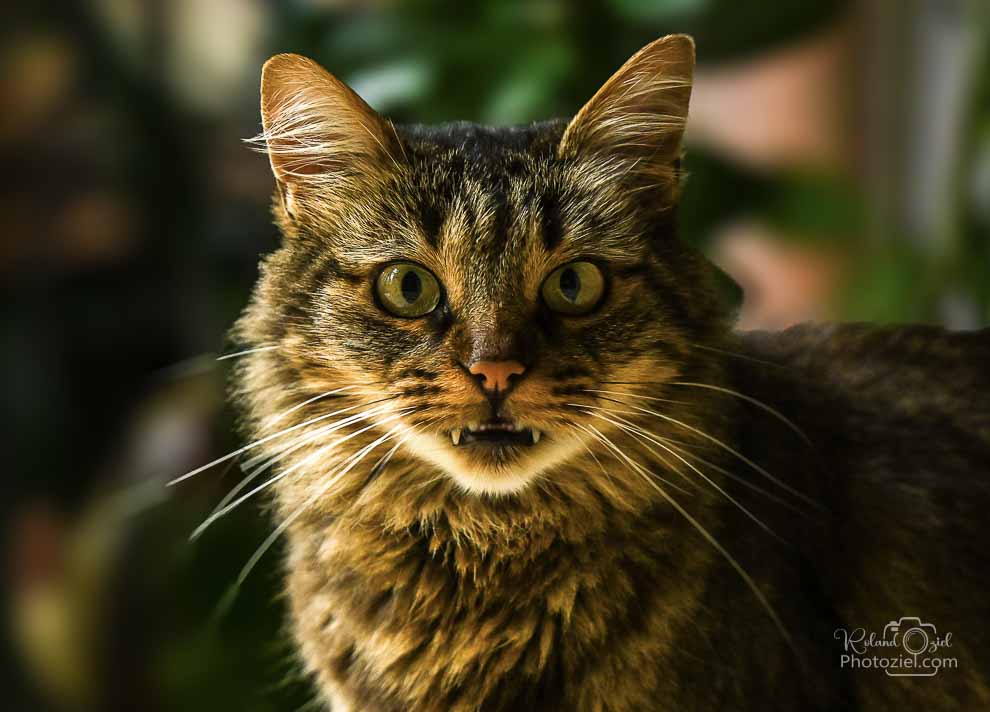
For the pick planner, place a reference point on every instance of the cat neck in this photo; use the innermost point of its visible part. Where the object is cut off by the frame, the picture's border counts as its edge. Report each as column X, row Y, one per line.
column 448, row 591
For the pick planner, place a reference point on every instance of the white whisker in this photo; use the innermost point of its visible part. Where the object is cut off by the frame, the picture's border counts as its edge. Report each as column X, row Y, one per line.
column 245, row 352
column 727, row 448
column 722, row 550
column 639, row 468
column 671, row 443
column 653, row 452
column 309, row 458
column 749, row 399
column 289, row 448
column 736, row 478
column 269, row 438
column 635, row 383
column 273, row 537
column 608, row 477
column 745, row 357
column 640, row 433
column 305, row 403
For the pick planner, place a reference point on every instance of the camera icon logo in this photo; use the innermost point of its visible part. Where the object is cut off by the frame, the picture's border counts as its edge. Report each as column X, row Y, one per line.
column 912, row 635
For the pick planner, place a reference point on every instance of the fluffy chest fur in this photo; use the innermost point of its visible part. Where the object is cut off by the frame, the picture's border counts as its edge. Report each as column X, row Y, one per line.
column 552, row 615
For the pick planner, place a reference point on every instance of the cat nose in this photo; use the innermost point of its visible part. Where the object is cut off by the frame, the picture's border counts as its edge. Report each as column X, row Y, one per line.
column 495, row 376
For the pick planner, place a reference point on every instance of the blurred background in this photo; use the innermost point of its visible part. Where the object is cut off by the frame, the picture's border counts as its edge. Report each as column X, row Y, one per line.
column 839, row 160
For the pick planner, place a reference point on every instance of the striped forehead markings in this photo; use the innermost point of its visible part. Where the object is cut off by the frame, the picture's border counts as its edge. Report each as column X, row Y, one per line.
column 431, row 219
column 501, row 206
column 550, row 225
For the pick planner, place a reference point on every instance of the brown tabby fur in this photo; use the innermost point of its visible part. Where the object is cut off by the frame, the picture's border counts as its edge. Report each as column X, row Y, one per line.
column 604, row 568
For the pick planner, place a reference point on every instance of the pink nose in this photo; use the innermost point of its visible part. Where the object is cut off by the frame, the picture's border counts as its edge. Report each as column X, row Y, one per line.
column 496, row 374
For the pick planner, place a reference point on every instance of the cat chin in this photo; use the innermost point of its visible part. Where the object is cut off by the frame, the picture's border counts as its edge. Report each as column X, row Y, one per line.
column 502, row 477
column 490, row 485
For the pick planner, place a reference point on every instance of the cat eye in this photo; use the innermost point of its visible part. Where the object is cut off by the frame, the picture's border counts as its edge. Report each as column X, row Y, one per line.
column 574, row 289
column 407, row 290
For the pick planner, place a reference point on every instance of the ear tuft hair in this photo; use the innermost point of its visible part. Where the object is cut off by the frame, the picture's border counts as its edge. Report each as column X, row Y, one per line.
column 638, row 117
column 317, row 132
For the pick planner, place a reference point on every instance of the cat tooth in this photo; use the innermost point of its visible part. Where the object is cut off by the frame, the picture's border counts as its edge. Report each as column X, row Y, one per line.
column 473, row 425
column 455, row 436
column 536, row 436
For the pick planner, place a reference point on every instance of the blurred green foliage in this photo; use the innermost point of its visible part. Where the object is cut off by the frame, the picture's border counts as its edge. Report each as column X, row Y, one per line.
column 514, row 61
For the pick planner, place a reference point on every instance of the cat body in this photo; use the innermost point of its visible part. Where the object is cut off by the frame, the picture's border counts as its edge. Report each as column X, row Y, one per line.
column 523, row 462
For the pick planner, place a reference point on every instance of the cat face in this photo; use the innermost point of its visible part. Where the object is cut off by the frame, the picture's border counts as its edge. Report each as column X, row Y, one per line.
column 477, row 284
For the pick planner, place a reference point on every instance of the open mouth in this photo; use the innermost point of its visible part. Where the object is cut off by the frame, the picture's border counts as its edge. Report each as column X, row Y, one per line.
column 495, row 432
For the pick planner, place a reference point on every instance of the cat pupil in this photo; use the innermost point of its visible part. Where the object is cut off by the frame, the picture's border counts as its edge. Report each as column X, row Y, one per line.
column 412, row 286
column 570, row 284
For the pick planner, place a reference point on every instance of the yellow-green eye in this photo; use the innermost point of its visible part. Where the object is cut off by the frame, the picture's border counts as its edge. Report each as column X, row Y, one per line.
column 408, row 290
column 574, row 289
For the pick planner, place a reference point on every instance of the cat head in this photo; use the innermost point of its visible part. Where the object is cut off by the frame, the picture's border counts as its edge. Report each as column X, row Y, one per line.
column 475, row 285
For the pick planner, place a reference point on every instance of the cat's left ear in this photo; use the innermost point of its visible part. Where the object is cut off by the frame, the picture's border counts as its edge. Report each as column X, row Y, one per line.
column 319, row 134
column 638, row 116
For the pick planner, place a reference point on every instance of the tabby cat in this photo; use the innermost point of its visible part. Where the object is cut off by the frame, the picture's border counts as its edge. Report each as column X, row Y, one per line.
column 523, row 462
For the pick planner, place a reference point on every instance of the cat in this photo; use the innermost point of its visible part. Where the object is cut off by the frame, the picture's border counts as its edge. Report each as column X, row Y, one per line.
column 523, row 461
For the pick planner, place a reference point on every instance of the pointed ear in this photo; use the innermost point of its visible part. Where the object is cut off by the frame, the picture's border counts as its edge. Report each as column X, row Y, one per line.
column 638, row 116
column 318, row 133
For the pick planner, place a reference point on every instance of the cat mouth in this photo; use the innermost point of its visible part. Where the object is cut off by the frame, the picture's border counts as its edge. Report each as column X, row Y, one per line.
column 497, row 432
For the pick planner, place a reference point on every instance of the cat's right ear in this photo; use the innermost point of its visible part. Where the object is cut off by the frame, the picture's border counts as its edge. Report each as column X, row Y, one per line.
column 319, row 134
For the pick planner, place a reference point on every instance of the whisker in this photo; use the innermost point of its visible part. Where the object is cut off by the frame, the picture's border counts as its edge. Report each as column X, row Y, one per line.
column 608, row 477
column 685, row 450
column 383, row 460
column 285, row 448
column 379, row 466
column 745, row 357
column 236, row 489
column 594, row 457
column 305, row 403
column 637, row 383
column 749, row 399
column 759, row 522
column 289, row 448
column 186, row 368
column 610, row 410
column 664, row 461
column 661, row 458
column 317, row 453
column 741, row 480
column 245, row 352
column 543, row 485
column 615, row 448
column 269, row 438
column 273, row 537
column 279, row 450
column 728, row 557
column 783, row 485
column 427, row 483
